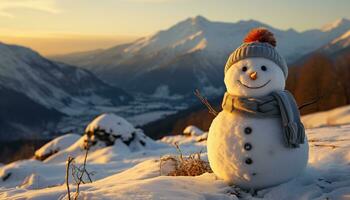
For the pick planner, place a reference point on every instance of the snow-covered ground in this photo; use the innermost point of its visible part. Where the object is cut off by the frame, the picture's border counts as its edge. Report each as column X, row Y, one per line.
column 337, row 116
column 119, row 173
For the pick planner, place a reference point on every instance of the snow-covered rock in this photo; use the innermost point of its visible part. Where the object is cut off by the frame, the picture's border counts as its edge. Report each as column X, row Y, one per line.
column 107, row 136
column 112, row 125
column 332, row 117
column 55, row 145
column 192, row 131
column 109, row 128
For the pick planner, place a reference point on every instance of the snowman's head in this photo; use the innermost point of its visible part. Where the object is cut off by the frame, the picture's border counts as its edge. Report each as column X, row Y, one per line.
column 254, row 77
column 255, row 68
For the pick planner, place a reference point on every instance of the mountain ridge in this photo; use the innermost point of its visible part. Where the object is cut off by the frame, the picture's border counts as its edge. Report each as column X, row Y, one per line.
column 163, row 54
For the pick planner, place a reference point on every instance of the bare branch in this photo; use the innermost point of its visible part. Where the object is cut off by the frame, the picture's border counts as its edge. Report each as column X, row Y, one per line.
column 315, row 100
column 309, row 103
column 80, row 178
column 77, row 173
column 205, row 102
column 69, row 161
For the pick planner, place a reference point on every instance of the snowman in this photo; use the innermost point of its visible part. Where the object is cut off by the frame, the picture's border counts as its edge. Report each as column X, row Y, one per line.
column 258, row 140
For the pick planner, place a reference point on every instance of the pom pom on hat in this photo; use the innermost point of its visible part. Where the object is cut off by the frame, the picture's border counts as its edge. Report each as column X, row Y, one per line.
column 260, row 35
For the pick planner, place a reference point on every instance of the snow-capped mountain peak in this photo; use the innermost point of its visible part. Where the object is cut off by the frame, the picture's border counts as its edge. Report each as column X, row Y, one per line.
column 339, row 23
column 183, row 36
column 199, row 19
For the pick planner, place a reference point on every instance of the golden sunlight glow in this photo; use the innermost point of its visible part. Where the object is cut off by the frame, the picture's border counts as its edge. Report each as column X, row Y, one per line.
column 56, row 44
column 63, row 26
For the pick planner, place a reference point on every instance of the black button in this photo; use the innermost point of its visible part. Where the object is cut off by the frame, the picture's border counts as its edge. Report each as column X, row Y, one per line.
column 253, row 174
column 248, row 130
column 247, row 146
column 248, row 161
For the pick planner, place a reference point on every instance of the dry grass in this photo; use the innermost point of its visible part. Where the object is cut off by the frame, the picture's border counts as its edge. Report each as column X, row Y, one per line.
column 191, row 165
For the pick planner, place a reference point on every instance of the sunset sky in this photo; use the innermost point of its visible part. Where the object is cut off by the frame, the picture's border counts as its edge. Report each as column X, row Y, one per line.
column 62, row 26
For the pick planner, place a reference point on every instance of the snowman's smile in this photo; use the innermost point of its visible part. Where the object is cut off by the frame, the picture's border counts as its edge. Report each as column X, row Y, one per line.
column 254, row 87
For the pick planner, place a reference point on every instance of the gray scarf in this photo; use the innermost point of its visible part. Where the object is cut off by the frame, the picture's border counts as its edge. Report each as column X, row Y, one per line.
column 277, row 104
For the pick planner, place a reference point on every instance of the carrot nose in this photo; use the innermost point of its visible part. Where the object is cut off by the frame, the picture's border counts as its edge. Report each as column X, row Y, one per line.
column 253, row 75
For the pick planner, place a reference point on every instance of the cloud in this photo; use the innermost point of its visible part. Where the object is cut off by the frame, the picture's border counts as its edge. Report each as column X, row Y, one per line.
column 7, row 6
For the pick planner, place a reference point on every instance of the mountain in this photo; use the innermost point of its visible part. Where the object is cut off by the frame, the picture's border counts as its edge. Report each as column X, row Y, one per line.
column 38, row 92
column 21, row 117
column 339, row 43
column 191, row 54
column 54, row 85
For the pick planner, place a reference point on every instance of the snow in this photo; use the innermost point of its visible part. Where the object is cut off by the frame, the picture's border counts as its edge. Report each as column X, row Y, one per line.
column 112, row 124
column 185, row 139
column 336, row 24
column 192, row 131
column 111, row 136
column 338, row 43
column 56, row 145
column 332, row 117
column 344, row 39
column 136, row 175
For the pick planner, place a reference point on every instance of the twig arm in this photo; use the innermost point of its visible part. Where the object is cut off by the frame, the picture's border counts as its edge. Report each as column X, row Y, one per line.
column 205, row 102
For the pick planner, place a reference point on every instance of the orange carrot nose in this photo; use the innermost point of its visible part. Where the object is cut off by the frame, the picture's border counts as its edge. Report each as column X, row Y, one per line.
column 253, row 75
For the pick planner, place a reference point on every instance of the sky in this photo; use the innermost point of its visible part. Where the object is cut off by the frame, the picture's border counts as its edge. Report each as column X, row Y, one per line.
column 63, row 26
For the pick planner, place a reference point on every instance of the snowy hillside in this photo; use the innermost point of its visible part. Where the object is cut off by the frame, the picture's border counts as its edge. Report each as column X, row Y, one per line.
column 334, row 117
column 22, row 117
column 195, row 50
column 118, row 172
column 54, row 85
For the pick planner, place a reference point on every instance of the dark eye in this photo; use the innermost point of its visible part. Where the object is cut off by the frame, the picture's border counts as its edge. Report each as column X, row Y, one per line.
column 244, row 68
column 263, row 68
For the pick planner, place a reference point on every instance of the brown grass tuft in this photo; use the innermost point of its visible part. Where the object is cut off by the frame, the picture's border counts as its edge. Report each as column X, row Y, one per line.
column 191, row 165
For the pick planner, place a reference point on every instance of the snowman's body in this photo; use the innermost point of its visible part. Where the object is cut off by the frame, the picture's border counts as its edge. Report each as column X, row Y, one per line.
column 250, row 151
column 233, row 138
